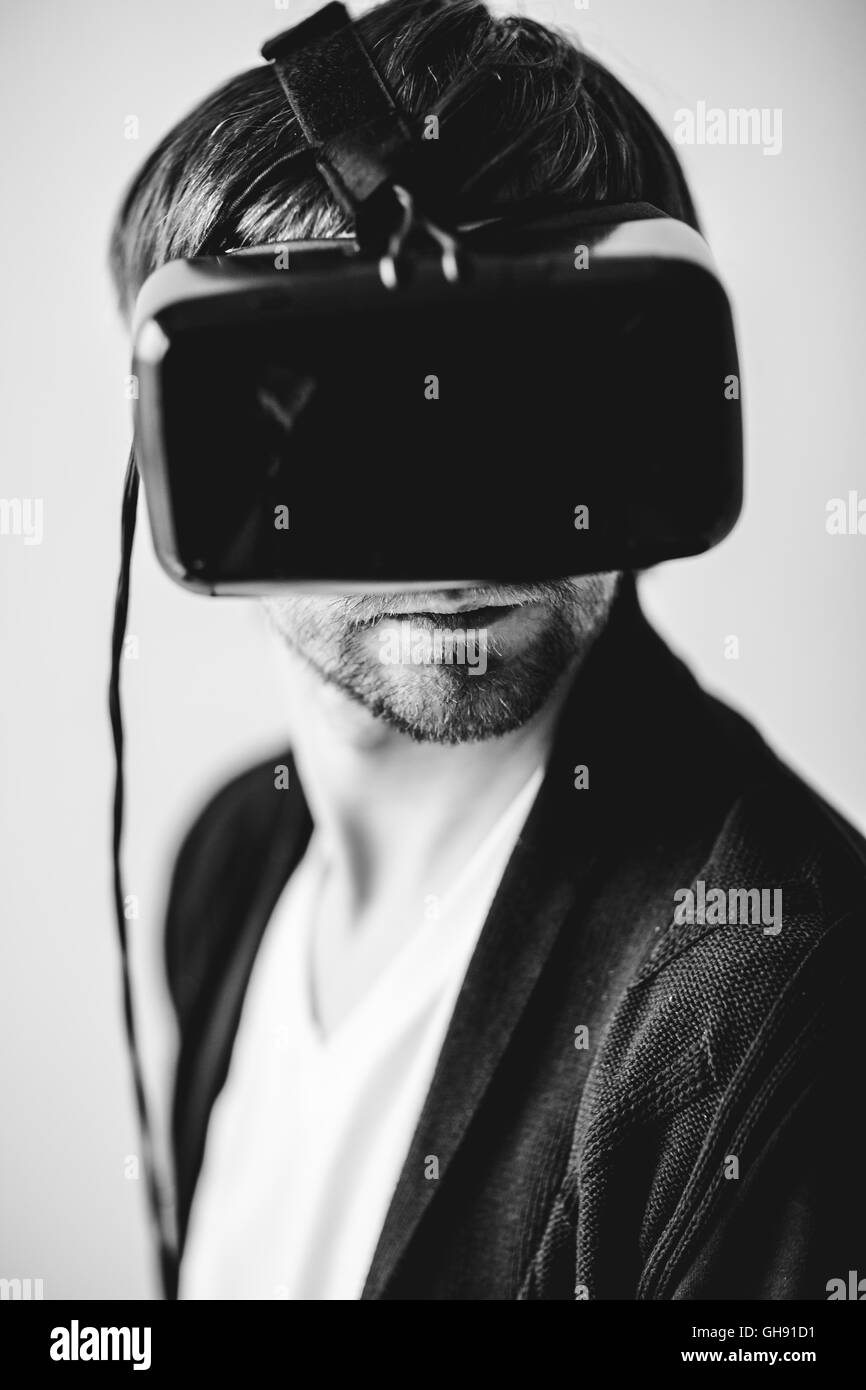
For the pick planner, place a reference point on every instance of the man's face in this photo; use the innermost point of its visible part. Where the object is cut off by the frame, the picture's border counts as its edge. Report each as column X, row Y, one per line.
column 449, row 665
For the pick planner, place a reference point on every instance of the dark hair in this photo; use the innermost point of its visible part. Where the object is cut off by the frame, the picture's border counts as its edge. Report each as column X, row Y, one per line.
column 523, row 111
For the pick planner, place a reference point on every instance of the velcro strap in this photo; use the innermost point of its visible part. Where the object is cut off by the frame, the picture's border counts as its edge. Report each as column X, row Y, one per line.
column 358, row 134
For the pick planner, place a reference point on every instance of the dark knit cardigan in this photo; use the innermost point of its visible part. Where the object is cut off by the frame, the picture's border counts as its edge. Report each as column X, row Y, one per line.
column 625, row 1107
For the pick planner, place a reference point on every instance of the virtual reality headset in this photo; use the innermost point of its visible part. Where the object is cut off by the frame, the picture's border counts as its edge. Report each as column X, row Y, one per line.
column 549, row 390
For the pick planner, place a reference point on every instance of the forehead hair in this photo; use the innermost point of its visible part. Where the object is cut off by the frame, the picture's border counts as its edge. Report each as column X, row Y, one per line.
column 522, row 113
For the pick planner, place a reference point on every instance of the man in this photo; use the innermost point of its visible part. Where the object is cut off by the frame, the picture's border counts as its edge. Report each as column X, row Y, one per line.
column 523, row 978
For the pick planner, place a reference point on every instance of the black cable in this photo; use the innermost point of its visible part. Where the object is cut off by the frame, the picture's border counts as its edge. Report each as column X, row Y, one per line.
column 167, row 1258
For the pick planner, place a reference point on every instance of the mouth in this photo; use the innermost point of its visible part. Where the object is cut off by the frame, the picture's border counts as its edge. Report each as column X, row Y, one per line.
column 483, row 617
column 479, row 606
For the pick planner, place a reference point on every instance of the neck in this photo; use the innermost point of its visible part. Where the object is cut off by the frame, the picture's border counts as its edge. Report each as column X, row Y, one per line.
column 391, row 811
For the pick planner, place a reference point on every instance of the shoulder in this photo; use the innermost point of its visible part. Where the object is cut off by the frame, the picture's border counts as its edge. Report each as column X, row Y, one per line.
column 780, row 828
column 789, row 874
column 772, row 845
column 754, row 948
column 774, row 917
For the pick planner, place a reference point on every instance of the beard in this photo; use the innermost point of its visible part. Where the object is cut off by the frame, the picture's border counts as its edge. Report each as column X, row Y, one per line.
column 533, row 636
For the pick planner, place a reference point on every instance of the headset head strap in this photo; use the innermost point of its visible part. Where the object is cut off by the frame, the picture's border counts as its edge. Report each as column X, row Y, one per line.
column 361, row 140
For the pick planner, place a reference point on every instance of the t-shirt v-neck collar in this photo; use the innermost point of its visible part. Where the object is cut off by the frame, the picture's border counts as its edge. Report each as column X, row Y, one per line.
column 426, row 959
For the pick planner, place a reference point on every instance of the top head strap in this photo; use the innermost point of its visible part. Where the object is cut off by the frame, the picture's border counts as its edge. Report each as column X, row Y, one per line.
column 358, row 134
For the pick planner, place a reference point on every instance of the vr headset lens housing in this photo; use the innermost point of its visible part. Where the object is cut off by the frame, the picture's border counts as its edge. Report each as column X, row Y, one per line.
column 568, row 405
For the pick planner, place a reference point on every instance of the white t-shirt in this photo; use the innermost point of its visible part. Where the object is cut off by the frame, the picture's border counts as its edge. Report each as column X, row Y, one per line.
column 309, row 1134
